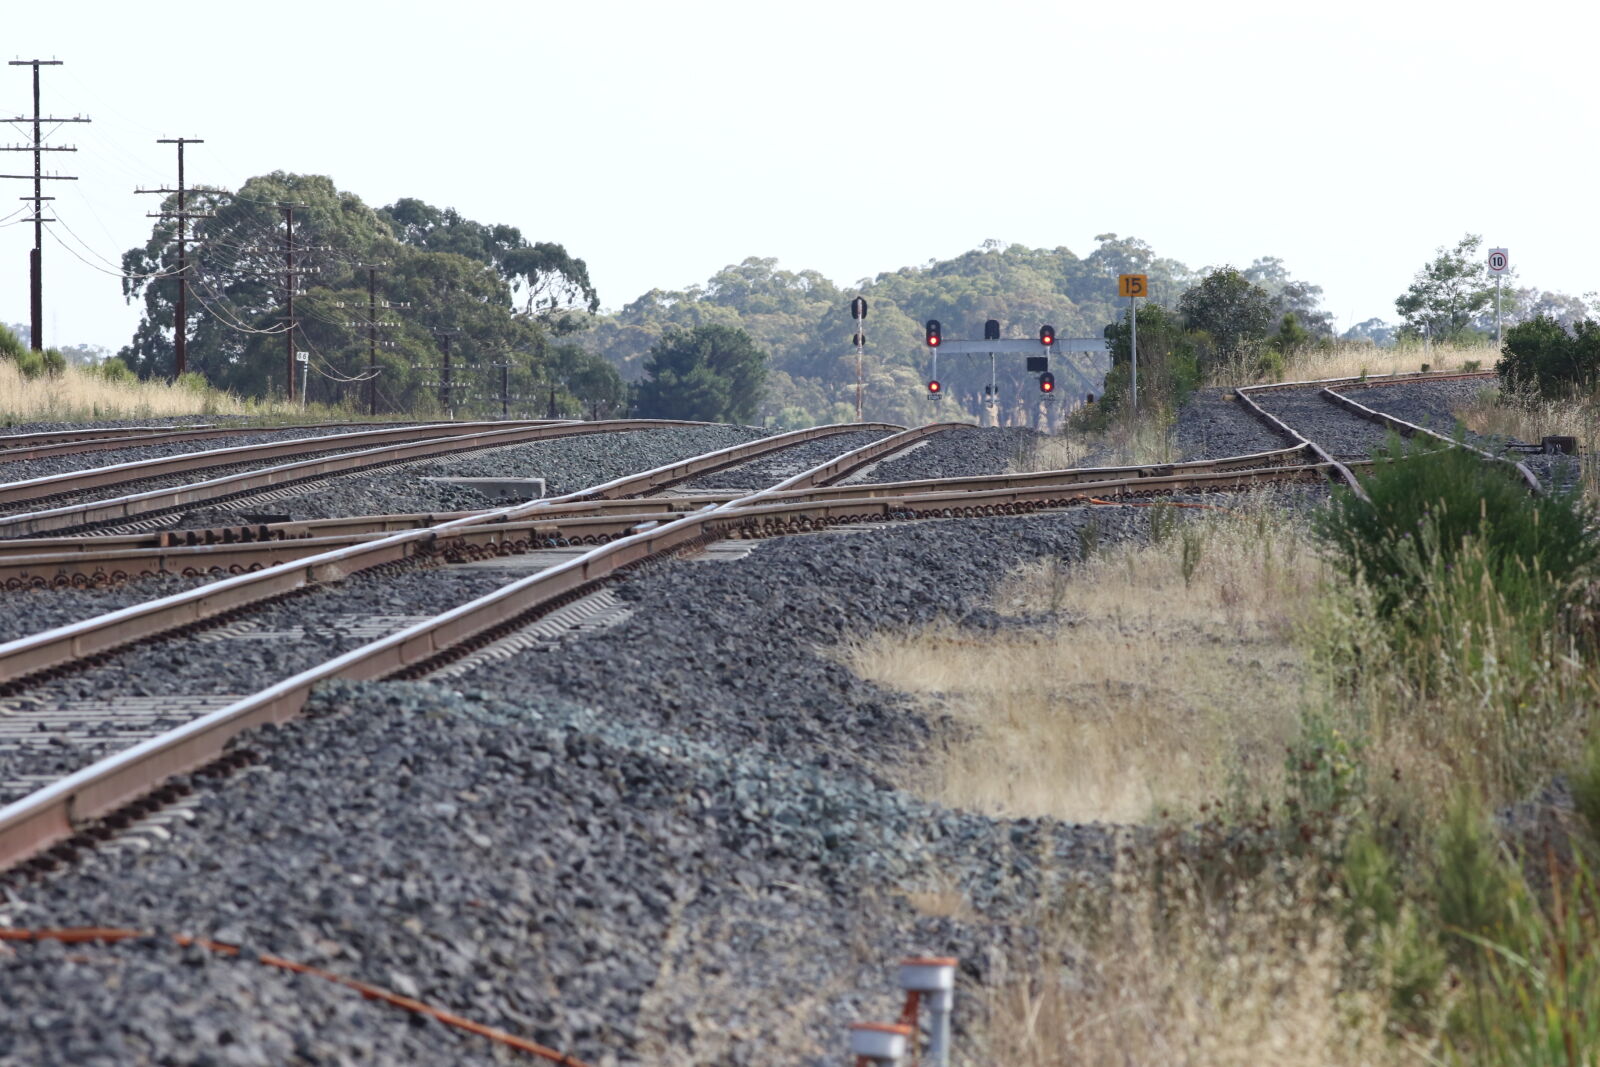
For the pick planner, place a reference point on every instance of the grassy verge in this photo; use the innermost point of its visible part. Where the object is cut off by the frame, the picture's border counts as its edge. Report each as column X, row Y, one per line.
column 1349, row 760
column 76, row 394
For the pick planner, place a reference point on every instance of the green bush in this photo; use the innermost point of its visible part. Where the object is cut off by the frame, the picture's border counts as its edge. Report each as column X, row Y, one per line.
column 193, row 382
column 55, row 364
column 11, row 346
column 1427, row 502
column 114, row 370
column 1540, row 355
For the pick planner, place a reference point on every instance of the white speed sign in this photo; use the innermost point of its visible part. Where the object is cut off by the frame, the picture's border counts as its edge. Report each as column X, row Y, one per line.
column 1499, row 261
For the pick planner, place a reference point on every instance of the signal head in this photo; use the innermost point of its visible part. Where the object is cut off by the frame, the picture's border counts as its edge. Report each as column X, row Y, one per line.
column 933, row 387
column 1047, row 335
column 933, row 336
column 1047, row 382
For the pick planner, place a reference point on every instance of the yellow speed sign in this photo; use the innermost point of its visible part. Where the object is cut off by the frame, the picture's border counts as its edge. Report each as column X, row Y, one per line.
column 1133, row 285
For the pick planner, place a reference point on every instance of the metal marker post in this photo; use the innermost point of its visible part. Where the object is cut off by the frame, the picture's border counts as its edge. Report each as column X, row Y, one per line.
column 1499, row 340
column 1133, row 346
column 304, row 359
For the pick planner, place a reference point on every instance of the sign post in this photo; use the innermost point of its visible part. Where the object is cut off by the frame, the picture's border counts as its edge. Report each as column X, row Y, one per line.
column 303, row 358
column 858, row 311
column 1499, row 263
column 1133, row 286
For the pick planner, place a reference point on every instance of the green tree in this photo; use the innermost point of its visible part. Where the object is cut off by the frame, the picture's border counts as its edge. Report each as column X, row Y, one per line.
column 1542, row 355
column 714, row 373
column 1291, row 335
column 1235, row 312
column 1448, row 293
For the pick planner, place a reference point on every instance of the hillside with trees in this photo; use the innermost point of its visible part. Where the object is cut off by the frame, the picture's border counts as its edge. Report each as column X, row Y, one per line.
column 801, row 319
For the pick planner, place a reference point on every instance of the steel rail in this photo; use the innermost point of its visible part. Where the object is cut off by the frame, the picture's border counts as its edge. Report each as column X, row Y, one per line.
column 557, row 529
column 206, row 433
column 1374, row 380
column 1411, row 429
column 123, row 508
column 55, row 485
column 63, row 561
column 1339, row 471
column 57, row 812
column 44, row 651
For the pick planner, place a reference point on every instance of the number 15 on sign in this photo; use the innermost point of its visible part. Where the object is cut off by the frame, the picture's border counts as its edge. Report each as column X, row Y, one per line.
column 1133, row 285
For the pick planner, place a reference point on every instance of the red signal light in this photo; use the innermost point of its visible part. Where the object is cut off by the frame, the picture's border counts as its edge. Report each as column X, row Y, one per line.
column 933, row 333
column 933, row 386
column 1047, row 382
column 1047, row 335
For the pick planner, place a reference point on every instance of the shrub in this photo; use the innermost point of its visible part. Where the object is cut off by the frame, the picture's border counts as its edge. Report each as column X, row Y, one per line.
column 114, row 370
column 54, row 363
column 1427, row 502
column 11, row 346
column 1540, row 355
column 193, row 382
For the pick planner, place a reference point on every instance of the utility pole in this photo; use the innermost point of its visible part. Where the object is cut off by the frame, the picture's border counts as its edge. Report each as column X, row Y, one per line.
column 288, row 295
column 446, row 382
column 372, row 340
column 180, row 317
column 36, row 257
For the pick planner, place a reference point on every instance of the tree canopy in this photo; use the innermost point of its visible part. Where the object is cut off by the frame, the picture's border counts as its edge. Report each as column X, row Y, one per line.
column 712, row 373
column 501, row 296
column 802, row 319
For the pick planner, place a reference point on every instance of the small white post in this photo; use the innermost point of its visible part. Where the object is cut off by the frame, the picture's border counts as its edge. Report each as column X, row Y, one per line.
column 933, row 979
column 881, row 1044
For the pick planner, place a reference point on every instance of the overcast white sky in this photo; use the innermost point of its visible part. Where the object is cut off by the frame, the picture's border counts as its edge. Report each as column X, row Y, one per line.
column 662, row 141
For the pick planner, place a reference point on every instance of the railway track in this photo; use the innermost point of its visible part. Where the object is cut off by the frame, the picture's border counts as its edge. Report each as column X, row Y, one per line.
column 96, row 639
column 16, row 448
column 595, row 519
column 246, row 480
column 1344, row 432
column 97, row 802
column 61, row 811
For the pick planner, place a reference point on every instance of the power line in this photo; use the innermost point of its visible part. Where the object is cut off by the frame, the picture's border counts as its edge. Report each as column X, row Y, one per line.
column 38, row 148
column 180, row 313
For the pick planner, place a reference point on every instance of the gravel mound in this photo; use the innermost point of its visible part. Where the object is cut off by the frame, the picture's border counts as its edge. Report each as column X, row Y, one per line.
column 274, row 642
column 1432, row 406
column 1343, row 434
column 1214, row 424
column 627, row 846
column 965, row 452
column 765, row 471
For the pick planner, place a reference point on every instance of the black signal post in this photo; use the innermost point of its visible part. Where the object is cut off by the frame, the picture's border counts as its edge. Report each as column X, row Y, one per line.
column 858, row 311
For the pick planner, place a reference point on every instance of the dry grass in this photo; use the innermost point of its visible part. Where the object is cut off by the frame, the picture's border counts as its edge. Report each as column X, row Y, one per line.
column 1172, row 669
column 78, row 395
column 1353, row 360
column 1124, row 444
column 1183, row 976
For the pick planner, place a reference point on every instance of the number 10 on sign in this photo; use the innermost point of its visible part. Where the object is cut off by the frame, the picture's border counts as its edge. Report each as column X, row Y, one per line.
column 1133, row 286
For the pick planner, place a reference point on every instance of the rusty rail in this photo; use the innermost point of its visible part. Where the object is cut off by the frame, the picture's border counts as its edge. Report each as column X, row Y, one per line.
column 70, row 442
column 1411, row 429
column 123, row 508
column 1339, row 470
column 54, row 814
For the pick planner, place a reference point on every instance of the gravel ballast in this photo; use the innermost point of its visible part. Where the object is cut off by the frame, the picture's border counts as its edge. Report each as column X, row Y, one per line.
column 962, row 452
column 764, row 471
column 25, row 469
column 1215, row 424
column 566, row 463
column 623, row 846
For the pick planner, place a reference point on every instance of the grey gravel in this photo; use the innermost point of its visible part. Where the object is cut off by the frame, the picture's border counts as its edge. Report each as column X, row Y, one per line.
column 567, row 464
column 964, row 452
column 25, row 469
column 623, row 846
column 1215, row 424
column 276, row 641
column 768, row 470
